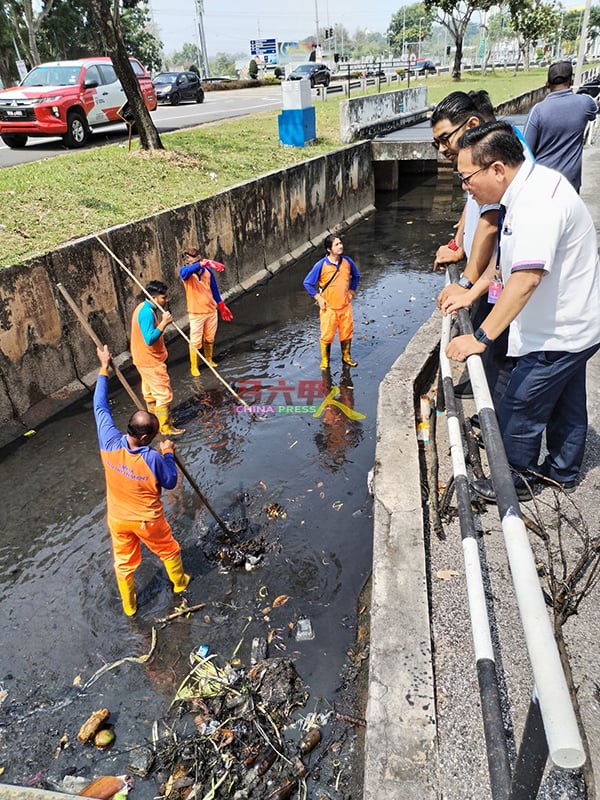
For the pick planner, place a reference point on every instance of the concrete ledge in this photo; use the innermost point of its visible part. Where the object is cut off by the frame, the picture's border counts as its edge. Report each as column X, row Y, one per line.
column 280, row 263
column 388, row 150
column 381, row 113
column 389, row 125
column 401, row 758
column 8, row 792
column 258, row 277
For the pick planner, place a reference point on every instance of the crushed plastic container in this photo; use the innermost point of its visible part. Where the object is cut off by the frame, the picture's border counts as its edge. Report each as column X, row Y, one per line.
column 304, row 630
column 199, row 654
column 259, row 649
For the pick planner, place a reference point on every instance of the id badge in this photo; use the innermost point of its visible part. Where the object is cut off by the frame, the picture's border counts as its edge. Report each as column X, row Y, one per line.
column 494, row 291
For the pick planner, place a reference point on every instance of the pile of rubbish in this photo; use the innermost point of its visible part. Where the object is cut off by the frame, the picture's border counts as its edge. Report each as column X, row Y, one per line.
column 224, row 735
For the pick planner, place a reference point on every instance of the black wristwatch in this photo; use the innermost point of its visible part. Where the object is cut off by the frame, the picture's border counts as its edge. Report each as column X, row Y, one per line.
column 481, row 336
column 465, row 282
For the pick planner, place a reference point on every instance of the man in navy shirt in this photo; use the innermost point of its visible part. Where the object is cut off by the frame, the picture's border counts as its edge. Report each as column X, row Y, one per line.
column 555, row 127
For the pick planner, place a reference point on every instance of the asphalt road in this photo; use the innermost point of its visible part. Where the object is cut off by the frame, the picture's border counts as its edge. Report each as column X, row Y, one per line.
column 216, row 106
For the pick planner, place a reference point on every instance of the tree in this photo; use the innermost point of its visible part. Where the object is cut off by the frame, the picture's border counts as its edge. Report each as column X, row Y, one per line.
column 68, row 31
column 108, row 19
column 533, row 20
column 455, row 15
column 224, row 63
column 189, row 54
column 33, row 23
column 139, row 39
column 7, row 54
column 407, row 25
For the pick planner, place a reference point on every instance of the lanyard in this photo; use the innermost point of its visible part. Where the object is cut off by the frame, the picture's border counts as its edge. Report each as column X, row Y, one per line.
column 501, row 215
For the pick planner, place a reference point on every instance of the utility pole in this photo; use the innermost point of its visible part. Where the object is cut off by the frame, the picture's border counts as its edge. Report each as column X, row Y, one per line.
column 316, row 22
column 203, row 54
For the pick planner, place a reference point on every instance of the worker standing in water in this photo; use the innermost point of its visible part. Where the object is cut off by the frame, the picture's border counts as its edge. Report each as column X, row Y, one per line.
column 332, row 282
column 135, row 477
column 149, row 355
column 204, row 304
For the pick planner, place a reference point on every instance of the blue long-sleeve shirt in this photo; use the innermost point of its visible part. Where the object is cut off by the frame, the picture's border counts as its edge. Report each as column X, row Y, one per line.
column 147, row 323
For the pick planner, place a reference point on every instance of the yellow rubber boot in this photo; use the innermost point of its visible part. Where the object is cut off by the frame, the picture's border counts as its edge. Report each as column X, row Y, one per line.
column 176, row 574
column 151, row 406
column 208, row 353
column 194, row 368
column 166, row 426
column 127, row 593
column 325, row 353
column 346, row 357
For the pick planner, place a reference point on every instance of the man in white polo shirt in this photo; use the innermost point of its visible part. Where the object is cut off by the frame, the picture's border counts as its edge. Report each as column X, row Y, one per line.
column 550, row 299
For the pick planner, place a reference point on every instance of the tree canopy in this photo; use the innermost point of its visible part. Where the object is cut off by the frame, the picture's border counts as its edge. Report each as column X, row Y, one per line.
column 66, row 29
column 455, row 15
column 408, row 27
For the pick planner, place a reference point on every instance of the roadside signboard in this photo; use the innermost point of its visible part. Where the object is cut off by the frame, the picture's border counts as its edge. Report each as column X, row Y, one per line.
column 267, row 48
column 21, row 67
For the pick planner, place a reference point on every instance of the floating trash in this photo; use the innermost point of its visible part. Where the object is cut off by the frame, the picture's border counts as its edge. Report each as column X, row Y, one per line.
column 304, row 630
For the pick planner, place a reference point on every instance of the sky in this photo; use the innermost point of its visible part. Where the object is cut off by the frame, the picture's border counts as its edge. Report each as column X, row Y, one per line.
column 229, row 25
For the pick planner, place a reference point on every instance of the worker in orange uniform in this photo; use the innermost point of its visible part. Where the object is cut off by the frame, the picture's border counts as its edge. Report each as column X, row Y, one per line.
column 135, row 476
column 203, row 301
column 149, row 355
column 332, row 282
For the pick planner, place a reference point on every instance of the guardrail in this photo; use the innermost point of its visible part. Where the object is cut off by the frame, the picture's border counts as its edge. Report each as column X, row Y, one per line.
column 551, row 726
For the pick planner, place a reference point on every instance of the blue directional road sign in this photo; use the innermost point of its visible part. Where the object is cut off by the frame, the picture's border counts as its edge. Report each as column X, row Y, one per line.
column 263, row 47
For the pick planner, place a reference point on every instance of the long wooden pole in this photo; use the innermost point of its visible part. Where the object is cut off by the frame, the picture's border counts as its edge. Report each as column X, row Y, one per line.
column 175, row 325
column 126, row 385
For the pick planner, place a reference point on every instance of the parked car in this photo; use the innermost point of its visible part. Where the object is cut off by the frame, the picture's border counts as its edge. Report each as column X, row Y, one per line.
column 425, row 68
column 316, row 72
column 68, row 99
column 173, row 87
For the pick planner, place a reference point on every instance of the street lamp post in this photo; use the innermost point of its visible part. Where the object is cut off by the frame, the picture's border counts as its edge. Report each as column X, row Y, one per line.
column 419, row 45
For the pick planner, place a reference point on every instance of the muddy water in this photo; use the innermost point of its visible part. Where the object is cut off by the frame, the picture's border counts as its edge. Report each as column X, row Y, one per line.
column 61, row 617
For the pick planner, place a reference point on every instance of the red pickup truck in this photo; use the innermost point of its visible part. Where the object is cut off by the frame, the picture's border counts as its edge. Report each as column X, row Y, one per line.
column 68, row 99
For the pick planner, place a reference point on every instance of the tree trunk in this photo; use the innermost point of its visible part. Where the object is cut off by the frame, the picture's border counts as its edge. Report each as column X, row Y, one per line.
column 458, row 54
column 109, row 26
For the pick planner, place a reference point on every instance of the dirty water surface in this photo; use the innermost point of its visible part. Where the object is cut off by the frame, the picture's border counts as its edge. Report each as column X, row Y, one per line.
column 292, row 486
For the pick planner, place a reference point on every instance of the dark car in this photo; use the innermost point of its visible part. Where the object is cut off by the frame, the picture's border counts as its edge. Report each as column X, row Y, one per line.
column 173, row 87
column 425, row 68
column 317, row 73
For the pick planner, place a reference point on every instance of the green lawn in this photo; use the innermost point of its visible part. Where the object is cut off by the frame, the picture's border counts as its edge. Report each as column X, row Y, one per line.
column 48, row 202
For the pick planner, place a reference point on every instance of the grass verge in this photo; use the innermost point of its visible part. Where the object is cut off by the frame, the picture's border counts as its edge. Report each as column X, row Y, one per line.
column 49, row 202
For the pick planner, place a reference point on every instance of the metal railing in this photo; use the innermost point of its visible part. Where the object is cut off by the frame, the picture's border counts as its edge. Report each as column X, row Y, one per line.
column 551, row 727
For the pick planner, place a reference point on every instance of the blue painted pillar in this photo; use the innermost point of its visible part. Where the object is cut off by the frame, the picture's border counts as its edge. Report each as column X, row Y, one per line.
column 297, row 121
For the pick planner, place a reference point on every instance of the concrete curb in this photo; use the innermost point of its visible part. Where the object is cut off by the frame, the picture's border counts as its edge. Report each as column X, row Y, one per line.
column 8, row 792
column 400, row 748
